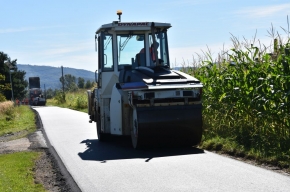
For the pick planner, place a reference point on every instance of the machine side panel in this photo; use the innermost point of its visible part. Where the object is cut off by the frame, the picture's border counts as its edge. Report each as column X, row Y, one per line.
column 116, row 112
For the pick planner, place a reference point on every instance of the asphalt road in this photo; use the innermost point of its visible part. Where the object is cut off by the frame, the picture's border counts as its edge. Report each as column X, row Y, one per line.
column 116, row 166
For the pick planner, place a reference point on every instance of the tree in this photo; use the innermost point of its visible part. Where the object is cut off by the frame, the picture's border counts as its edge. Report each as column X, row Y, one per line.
column 88, row 84
column 69, row 82
column 81, row 83
column 50, row 93
column 3, row 87
column 19, row 83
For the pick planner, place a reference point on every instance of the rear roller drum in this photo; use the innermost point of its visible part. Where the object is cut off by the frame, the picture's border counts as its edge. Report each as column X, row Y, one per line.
column 135, row 131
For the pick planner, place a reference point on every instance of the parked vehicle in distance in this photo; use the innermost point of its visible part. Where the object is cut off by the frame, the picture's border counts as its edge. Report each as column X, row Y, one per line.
column 36, row 97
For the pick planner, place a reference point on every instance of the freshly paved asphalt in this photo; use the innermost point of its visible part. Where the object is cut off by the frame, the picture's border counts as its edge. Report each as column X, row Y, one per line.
column 116, row 166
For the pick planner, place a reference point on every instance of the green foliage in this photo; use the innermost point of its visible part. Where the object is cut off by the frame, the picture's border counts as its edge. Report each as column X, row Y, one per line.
column 74, row 100
column 3, row 86
column 81, row 82
column 81, row 102
column 16, row 172
column 69, row 82
column 19, row 83
column 60, row 97
column 2, row 97
column 50, row 93
column 88, row 84
column 246, row 99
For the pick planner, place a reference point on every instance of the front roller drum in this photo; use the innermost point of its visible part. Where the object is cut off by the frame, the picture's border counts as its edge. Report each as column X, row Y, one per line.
column 167, row 126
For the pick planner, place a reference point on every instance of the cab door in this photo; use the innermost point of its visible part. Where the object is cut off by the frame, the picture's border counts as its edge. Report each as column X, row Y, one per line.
column 106, row 78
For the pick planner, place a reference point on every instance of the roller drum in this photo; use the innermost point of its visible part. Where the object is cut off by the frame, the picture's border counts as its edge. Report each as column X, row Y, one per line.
column 179, row 125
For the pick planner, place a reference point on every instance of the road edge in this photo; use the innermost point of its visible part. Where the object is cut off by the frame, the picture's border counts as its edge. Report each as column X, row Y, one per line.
column 67, row 176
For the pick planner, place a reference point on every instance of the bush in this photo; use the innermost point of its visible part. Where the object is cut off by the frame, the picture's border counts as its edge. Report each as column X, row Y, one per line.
column 60, row 97
column 2, row 97
column 81, row 102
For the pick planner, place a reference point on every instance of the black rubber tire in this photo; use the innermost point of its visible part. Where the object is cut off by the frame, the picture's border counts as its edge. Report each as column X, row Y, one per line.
column 134, row 138
column 135, row 131
column 101, row 136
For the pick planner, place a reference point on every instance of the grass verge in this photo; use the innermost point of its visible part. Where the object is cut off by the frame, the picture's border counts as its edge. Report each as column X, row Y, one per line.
column 17, row 119
column 16, row 172
column 16, row 169
column 73, row 100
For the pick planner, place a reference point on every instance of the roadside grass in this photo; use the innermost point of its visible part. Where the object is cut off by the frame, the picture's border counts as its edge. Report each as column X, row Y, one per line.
column 16, row 119
column 232, row 148
column 73, row 100
column 16, row 169
column 16, row 172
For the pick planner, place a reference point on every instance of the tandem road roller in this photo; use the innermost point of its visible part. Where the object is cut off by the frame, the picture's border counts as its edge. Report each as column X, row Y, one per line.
column 138, row 94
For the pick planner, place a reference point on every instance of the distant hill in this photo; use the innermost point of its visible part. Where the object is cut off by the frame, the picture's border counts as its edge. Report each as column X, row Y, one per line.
column 49, row 76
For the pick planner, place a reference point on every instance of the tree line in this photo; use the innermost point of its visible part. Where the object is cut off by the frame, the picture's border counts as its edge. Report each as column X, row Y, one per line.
column 70, row 84
column 20, row 85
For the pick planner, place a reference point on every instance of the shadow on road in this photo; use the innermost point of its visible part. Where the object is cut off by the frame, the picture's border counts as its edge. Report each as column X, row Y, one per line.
column 121, row 148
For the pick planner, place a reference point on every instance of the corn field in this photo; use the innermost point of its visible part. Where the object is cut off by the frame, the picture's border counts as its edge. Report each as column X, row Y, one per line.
column 246, row 97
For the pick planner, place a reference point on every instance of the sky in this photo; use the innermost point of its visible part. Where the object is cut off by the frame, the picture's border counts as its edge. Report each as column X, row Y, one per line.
column 61, row 33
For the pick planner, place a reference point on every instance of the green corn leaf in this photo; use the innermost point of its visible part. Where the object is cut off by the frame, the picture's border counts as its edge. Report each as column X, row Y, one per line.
column 222, row 97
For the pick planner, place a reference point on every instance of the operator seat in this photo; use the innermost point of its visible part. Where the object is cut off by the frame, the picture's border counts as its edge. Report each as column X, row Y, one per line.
column 139, row 60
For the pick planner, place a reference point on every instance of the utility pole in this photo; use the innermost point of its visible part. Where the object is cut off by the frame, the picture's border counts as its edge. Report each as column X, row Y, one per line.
column 10, row 68
column 62, row 79
column 63, row 94
column 44, row 91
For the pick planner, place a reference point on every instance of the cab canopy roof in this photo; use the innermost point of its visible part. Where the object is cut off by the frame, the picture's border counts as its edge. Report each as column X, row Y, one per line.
column 132, row 26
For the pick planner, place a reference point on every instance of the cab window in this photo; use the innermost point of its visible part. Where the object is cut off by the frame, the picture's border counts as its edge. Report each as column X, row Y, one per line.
column 129, row 46
column 108, row 64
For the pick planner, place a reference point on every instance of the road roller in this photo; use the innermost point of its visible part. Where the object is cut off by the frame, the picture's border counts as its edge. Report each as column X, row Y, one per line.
column 138, row 94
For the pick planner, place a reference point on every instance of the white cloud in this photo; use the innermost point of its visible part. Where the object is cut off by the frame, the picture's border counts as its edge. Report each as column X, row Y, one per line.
column 264, row 11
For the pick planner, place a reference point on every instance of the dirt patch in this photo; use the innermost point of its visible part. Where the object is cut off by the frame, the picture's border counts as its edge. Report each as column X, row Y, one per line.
column 13, row 136
column 46, row 170
column 14, row 146
column 48, row 174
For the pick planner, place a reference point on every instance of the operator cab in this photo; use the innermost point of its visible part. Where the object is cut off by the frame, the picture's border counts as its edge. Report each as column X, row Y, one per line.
column 132, row 45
